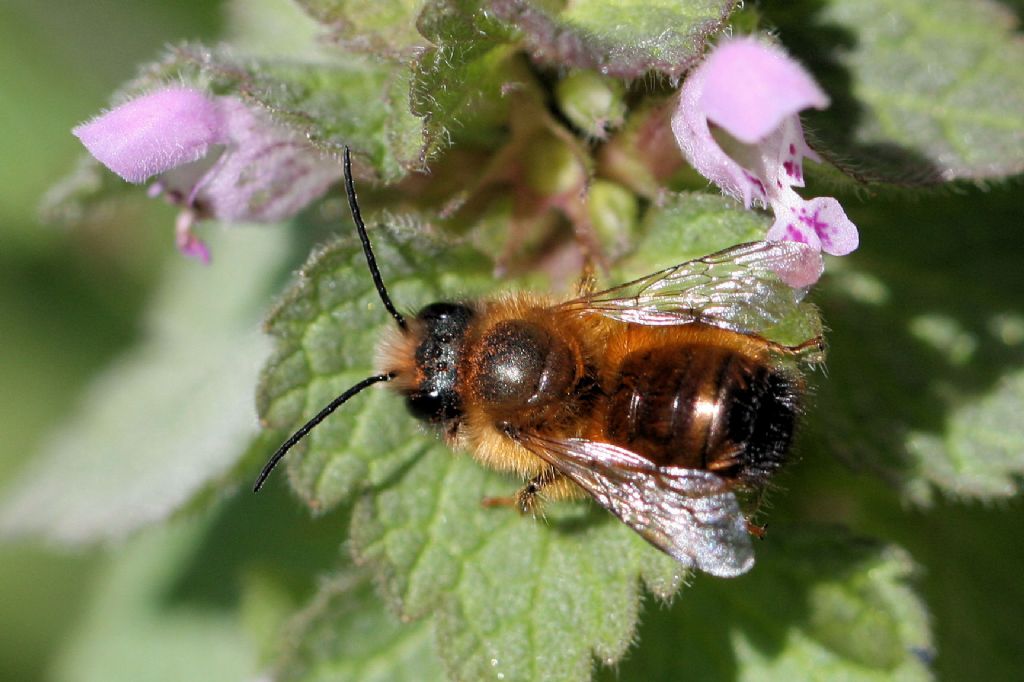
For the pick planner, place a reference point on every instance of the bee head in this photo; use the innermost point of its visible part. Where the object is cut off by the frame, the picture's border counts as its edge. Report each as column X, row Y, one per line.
column 439, row 330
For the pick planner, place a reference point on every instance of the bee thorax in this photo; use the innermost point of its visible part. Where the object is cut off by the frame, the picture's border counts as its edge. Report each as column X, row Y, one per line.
column 521, row 365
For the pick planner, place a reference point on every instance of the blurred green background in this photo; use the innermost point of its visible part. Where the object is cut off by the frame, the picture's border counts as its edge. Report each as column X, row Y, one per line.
column 70, row 298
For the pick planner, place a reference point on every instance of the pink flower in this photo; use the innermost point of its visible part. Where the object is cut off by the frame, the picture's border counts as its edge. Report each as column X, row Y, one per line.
column 738, row 124
column 215, row 157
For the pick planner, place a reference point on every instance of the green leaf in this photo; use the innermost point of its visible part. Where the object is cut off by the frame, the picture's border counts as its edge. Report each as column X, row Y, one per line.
column 268, row 28
column 969, row 577
column 379, row 27
column 513, row 596
column 135, row 631
column 83, row 193
column 624, row 39
column 459, row 84
column 690, row 225
column 171, row 415
column 979, row 455
column 820, row 603
column 922, row 91
column 925, row 369
column 345, row 634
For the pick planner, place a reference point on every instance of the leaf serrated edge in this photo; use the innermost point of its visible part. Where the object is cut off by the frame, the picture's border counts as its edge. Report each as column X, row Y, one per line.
column 554, row 42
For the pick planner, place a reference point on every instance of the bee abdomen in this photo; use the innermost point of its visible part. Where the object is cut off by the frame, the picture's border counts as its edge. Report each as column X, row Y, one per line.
column 702, row 407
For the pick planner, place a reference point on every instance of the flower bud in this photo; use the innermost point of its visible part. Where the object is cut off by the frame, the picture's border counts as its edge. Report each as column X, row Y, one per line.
column 594, row 103
column 614, row 213
column 552, row 168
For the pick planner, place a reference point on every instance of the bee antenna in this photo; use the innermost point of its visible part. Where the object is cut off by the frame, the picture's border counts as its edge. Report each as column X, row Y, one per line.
column 350, row 189
column 311, row 424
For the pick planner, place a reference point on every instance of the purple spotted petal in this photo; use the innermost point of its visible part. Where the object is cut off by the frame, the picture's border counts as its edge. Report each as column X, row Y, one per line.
column 782, row 153
column 750, row 87
column 154, row 133
column 819, row 222
column 738, row 125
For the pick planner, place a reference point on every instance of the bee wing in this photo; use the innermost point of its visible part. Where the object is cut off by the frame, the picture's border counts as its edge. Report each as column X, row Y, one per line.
column 739, row 288
column 687, row 513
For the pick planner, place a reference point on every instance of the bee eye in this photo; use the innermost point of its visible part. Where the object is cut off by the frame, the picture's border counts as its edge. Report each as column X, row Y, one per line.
column 435, row 398
column 432, row 407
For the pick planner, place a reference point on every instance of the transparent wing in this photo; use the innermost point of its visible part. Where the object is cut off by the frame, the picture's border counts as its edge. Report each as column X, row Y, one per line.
column 687, row 513
column 740, row 288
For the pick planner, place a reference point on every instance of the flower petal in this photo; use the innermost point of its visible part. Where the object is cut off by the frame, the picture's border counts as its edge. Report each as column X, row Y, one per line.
column 267, row 173
column 702, row 151
column 154, row 133
column 787, row 228
column 837, row 233
column 819, row 222
column 782, row 154
column 751, row 87
column 803, row 270
column 738, row 125
column 188, row 243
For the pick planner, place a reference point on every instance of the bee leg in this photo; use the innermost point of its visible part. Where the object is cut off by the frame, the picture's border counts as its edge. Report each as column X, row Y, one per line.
column 503, row 501
column 524, row 501
column 529, row 499
column 814, row 346
column 721, row 465
column 757, row 531
column 587, row 282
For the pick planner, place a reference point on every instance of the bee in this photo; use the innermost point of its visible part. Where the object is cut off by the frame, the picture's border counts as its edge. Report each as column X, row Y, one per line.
column 657, row 398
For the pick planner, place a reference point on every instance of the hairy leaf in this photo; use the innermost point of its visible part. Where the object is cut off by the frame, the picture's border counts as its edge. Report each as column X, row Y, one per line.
column 971, row 583
column 380, row 27
column 277, row 28
column 969, row 573
column 83, row 193
column 460, row 84
column 621, row 39
column 822, row 603
column 515, row 596
column 345, row 634
column 359, row 102
column 923, row 91
column 170, row 416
